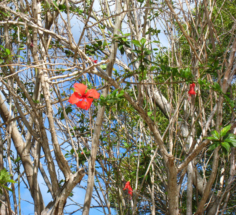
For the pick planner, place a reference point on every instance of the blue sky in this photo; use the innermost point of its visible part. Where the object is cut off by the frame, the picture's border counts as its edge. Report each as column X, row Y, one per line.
column 27, row 201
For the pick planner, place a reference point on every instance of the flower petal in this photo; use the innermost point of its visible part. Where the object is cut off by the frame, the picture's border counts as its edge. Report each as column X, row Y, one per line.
column 74, row 98
column 90, row 100
column 80, row 88
column 127, row 185
column 84, row 104
column 130, row 192
column 92, row 94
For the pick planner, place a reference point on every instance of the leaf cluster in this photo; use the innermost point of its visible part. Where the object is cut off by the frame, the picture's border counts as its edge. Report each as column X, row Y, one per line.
column 5, row 178
column 223, row 138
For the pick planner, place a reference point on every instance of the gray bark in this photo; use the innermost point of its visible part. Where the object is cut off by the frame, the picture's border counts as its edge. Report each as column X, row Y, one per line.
column 20, row 145
column 3, row 208
column 173, row 190
column 189, row 189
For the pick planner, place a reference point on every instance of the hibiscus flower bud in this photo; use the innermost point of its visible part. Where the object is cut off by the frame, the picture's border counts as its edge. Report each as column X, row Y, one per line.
column 191, row 90
column 129, row 188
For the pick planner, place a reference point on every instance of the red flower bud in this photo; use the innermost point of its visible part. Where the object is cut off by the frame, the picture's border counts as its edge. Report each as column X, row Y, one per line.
column 127, row 186
column 191, row 90
column 95, row 61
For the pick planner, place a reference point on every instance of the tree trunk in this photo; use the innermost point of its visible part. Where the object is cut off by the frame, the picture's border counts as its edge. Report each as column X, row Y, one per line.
column 173, row 191
column 189, row 189
column 3, row 208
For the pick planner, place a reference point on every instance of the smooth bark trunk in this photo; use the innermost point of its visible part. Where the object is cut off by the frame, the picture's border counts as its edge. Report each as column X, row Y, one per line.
column 173, row 191
column 3, row 208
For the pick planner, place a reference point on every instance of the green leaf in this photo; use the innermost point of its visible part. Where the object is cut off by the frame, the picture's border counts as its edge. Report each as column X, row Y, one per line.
column 67, row 155
column 111, row 101
column 126, row 145
column 126, row 35
column 11, row 181
column 8, row 51
column 36, row 101
column 153, row 68
column 62, row 7
column 7, row 188
column 224, row 131
column 104, row 67
column 55, row 3
column 136, row 42
column 20, row 56
column 147, row 52
column 114, row 92
column 186, row 74
column 213, row 146
column 121, row 94
column 5, row 177
column 212, row 138
column 17, row 159
column 5, row 14
column 215, row 134
column 216, row 87
column 226, row 146
column 62, row 116
column 68, row 109
column 143, row 41
column 122, row 50
column 231, row 139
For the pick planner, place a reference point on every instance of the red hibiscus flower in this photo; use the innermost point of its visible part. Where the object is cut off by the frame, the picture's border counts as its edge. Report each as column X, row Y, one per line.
column 81, row 98
column 191, row 90
column 127, row 186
